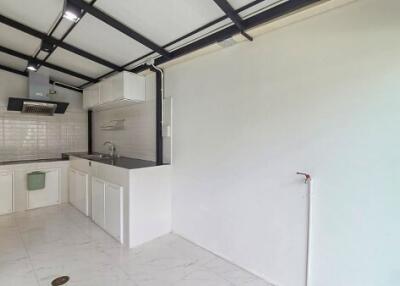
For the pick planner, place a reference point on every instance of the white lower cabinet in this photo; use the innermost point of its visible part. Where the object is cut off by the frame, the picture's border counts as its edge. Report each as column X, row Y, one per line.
column 98, row 201
column 113, row 214
column 50, row 194
column 79, row 190
column 107, row 207
column 6, row 192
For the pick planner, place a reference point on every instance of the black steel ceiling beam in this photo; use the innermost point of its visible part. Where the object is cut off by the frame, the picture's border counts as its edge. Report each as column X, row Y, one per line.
column 181, row 38
column 24, row 73
column 53, row 29
column 84, row 54
column 119, row 26
column 51, row 66
column 198, row 30
column 26, row 29
column 12, row 70
column 258, row 19
column 67, row 71
column 67, row 86
column 234, row 16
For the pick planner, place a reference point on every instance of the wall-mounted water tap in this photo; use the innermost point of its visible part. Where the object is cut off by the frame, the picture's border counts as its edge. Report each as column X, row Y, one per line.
column 111, row 148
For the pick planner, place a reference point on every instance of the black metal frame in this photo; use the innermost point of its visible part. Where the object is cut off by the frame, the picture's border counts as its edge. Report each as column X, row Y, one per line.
column 239, row 27
column 119, row 26
column 234, row 16
column 44, row 37
column 12, row 70
column 53, row 29
column 90, row 132
column 258, row 19
column 208, row 25
column 60, row 84
column 25, row 73
column 159, row 137
column 49, row 65
column 198, row 30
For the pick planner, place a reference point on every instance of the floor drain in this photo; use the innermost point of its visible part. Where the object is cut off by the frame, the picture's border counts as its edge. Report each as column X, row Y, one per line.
column 60, row 281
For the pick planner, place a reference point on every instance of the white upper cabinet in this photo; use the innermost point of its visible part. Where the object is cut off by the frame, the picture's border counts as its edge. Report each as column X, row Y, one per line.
column 91, row 96
column 115, row 91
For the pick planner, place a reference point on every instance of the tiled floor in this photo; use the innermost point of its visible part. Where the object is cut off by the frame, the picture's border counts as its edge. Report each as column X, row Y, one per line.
column 39, row 245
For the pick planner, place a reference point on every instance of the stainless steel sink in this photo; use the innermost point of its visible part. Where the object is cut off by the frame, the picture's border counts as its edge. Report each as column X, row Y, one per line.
column 96, row 157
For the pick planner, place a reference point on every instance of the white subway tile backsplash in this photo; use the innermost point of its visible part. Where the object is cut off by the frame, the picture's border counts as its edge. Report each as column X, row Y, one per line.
column 137, row 139
column 29, row 137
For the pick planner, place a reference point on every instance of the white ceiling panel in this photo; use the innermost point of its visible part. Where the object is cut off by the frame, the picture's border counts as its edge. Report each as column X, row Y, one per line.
column 38, row 14
column 12, row 62
column 17, row 40
column 96, row 37
column 236, row 4
column 258, row 8
column 240, row 3
column 201, row 34
column 62, row 28
column 62, row 77
column 159, row 20
column 77, row 63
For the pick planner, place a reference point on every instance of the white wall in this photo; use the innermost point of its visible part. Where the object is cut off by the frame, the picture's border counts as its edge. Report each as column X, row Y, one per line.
column 322, row 96
column 27, row 136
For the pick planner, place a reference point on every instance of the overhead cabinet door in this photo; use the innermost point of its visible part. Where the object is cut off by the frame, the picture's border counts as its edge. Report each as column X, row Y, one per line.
column 91, row 96
column 6, row 192
column 107, row 90
column 116, row 91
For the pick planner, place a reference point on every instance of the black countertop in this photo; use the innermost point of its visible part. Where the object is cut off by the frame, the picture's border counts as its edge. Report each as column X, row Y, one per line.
column 32, row 161
column 122, row 162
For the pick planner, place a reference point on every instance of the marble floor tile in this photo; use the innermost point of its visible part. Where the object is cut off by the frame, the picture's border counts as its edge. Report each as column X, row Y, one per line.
column 17, row 272
column 40, row 245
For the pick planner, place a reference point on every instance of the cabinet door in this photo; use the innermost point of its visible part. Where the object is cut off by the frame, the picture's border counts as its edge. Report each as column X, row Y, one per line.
column 81, row 192
column 50, row 194
column 106, row 90
column 114, row 211
column 72, row 186
column 98, row 187
column 118, row 86
column 6, row 192
column 91, row 96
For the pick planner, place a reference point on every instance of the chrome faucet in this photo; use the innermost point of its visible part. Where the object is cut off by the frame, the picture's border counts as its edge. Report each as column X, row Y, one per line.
column 111, row 148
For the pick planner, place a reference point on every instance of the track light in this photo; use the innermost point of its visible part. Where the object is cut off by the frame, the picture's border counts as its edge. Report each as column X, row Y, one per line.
column 71, row 12
column 46, row 47
column 33, row 65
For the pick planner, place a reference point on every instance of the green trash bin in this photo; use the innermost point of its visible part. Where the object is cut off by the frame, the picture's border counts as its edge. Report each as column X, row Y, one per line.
column 36, row 181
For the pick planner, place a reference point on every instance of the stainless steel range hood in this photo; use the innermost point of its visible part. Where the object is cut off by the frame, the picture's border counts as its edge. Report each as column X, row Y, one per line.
column 39, row 107
column 38, row 101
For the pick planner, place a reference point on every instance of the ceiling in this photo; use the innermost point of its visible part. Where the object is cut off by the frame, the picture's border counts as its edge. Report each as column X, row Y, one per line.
column 161, row 22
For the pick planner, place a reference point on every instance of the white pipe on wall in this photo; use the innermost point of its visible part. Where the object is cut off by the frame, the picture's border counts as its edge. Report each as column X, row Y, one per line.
column 308, row 180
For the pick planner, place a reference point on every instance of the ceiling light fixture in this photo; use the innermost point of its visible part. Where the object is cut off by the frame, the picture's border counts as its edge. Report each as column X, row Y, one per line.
column 33, row 65
column 47, row 47
column 71, row 12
